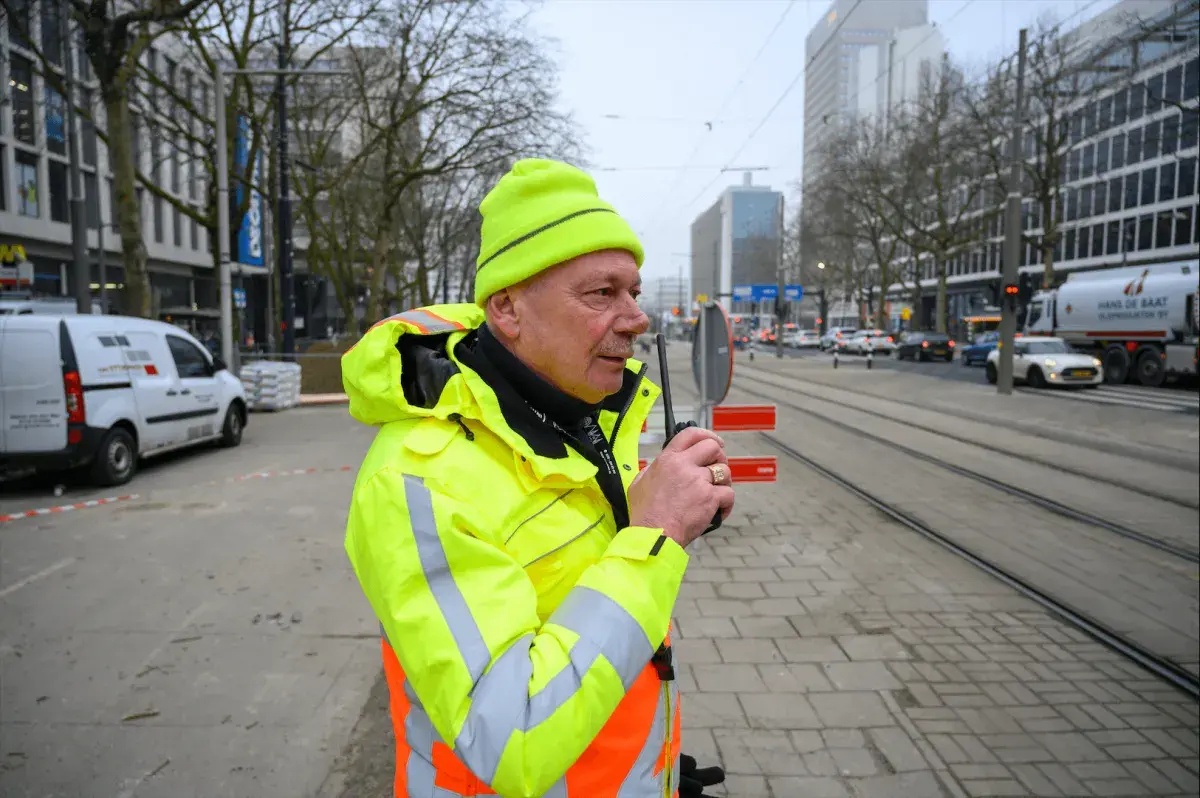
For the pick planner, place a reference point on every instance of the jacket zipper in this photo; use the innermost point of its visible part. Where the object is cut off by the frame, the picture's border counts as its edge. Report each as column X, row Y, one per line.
column 628, row 404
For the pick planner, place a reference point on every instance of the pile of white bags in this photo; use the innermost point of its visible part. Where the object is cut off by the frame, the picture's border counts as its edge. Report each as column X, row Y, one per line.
column 271, row 385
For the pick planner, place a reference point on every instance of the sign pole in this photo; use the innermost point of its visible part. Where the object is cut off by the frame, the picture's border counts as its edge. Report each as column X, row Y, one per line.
column 704, row 341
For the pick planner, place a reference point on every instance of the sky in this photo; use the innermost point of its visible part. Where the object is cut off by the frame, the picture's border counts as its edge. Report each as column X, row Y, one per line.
column 644, row 77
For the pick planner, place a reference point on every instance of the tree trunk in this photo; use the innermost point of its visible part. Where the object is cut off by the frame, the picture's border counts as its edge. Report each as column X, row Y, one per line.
column 137, row 297
column 939, row 268
column 378, row 280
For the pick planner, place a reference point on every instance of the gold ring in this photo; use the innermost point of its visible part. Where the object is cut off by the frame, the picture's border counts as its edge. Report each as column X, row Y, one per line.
column 718, row 473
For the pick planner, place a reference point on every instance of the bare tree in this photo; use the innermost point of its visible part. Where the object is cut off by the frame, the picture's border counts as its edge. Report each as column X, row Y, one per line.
column 941, row 216
column 441, row 92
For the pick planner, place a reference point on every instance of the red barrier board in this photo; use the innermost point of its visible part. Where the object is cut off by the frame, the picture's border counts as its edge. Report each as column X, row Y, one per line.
column 743, row 469
column 743, row 418
column 752, row 469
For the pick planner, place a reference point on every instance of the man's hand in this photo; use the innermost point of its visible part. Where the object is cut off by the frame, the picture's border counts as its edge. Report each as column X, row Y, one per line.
column 677, row 494
column 693, row 780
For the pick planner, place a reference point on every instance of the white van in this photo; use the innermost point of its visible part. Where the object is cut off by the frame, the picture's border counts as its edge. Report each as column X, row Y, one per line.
column 103, row 391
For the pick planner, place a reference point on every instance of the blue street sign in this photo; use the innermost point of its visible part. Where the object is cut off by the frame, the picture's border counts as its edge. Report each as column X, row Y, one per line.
column 760, row 292
column 239, row 298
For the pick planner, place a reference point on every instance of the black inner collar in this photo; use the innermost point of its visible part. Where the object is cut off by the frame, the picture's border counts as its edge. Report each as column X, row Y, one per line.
column 562, row 408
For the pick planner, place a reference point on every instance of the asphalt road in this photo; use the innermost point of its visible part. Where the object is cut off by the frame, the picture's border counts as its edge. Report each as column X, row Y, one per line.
column 204, row 638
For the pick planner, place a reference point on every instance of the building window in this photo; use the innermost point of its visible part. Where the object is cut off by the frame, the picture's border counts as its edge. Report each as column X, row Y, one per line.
column 1114, row 195
column 1134, row 152
column 1105, row 120
column 1149, row 186
column 1145, row 236
column 3, row 182
column 1069, row 254
column 1163, row 229
column 1183, row 226
column 158, row 219
column 1089, row 120
column 1120, row 115
column 1101, row 198
column 60, row 206
column 1170, row 135
column 1084, row 243
column 195, row 234
column 1154, row 93
column 21, row 82
column 87, row 127
column 173, row 155
column 91, row 195
column 1191, row 80
column 27, row 184
column 56, row 126
column 1137, row 100
column 1114, row 238
column 83, row 64
column 1166, row 182
column 51, row 39
column 1085, row 202
column 1102, row 156
column 177, row 226
column 1072, row 204
column 1097, row 240
column 1187, row 177
column 18, row 22
column 1073, row 166
column 1131, row 190
column 1187, row 133
column 1174, row 88
column 1089, row 161
column 1150, row 142
column 1118, row 151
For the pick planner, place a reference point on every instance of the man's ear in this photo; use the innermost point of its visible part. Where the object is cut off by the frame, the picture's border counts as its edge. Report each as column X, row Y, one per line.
column 503, row 314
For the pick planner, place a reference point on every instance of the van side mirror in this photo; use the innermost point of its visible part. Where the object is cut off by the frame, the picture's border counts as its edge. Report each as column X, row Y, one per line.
column 218, row 364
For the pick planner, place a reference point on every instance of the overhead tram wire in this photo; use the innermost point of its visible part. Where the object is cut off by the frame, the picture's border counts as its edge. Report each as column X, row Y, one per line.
column 721, row 109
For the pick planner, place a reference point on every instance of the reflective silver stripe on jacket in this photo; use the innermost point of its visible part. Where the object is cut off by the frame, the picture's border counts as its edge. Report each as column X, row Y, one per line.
column 427, row 320
column 501, row 705
column 641, row 781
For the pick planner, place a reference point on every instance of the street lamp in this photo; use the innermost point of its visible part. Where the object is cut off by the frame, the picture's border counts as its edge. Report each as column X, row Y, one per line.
column 226, row 277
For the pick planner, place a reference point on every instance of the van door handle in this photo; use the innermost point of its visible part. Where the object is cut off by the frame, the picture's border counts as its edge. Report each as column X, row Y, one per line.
column 172, row 392
column 186, row 391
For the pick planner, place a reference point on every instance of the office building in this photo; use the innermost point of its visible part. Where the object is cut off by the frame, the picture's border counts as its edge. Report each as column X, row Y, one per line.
column 847, row 58
column 1129, row 192
column 736, row 242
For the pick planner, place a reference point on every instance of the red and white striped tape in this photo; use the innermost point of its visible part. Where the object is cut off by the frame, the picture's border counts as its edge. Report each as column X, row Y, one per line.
column 65, row 508
column 291, row 472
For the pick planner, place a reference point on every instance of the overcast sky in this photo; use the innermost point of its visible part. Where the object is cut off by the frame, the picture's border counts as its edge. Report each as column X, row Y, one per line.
column 665, row 67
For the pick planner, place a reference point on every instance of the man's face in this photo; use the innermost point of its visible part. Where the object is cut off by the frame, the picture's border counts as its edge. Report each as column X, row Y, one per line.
column 575, row 324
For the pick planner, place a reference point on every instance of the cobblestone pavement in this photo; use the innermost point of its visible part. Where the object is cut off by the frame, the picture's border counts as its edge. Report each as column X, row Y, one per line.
column 826, row 651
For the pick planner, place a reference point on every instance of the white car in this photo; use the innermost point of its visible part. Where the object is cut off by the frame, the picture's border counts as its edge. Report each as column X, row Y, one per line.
column 803, row 339
column 1046, row 362
column 835, row 334
column 864, row 341
column 104, row 391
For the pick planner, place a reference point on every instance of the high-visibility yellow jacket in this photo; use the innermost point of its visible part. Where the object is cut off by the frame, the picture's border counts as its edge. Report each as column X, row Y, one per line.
column 518, row 623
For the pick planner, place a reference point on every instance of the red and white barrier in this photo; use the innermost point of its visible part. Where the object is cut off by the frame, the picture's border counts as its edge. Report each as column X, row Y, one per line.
column 65, row 508
column 743, row 418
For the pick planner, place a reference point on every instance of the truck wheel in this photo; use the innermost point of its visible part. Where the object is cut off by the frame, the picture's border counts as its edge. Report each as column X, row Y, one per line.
column 992, row 376
column 1116, row 365
column 116, row 458
column 1150, row 371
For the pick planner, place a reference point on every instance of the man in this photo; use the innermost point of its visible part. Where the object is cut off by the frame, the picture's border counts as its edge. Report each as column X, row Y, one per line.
column 523, row 571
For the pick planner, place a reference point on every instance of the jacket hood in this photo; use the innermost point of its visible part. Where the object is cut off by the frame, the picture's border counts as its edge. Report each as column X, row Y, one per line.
column 403, row 366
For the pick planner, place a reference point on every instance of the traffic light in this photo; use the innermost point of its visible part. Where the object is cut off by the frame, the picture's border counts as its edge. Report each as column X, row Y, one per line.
column 1012, row 294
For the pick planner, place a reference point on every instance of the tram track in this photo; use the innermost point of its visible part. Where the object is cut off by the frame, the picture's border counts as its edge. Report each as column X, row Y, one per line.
column 1062, row 467
column 1045, row 502
column 1161, row 666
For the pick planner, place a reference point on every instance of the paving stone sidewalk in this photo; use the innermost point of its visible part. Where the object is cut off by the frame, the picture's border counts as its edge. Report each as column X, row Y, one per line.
column 825, row 651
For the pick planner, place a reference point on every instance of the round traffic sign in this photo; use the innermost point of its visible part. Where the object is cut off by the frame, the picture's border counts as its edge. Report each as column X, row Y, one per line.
column 713, row 342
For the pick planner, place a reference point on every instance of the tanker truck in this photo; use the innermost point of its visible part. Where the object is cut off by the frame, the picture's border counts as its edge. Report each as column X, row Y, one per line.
column 1140, row 321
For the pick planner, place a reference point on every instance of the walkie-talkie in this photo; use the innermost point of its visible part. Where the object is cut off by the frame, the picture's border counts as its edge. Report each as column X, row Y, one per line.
column 673, row 429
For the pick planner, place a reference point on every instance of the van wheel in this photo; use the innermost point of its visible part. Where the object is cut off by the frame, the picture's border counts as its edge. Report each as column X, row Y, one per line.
column 116, row 458
column 231, row 432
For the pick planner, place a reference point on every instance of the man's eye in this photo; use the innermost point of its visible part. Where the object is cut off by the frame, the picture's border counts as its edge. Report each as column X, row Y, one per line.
column 604, row 291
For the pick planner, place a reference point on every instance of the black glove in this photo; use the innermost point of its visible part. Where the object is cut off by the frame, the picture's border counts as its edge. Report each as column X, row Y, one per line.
column 693, row 780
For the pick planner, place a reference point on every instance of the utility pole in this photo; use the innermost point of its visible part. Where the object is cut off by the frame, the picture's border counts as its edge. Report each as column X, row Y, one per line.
column 780, row 287
column 1012, row 233
column 80, row 270
column 283, row 246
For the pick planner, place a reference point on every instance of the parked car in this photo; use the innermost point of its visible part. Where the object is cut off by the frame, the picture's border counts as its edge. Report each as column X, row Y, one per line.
column 835, row 334
column 877, row 341
column 977, row 351
column 104, row 391
column 925, row 346
column 1048, row 362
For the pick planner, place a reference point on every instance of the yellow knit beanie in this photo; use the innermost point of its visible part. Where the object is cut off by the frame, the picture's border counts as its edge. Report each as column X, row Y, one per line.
column 543, row 213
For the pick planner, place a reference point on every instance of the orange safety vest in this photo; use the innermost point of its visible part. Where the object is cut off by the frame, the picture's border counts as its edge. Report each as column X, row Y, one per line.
column 626, row 760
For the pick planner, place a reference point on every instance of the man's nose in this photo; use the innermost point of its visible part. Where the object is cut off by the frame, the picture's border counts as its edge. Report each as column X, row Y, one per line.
column 635, row 322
